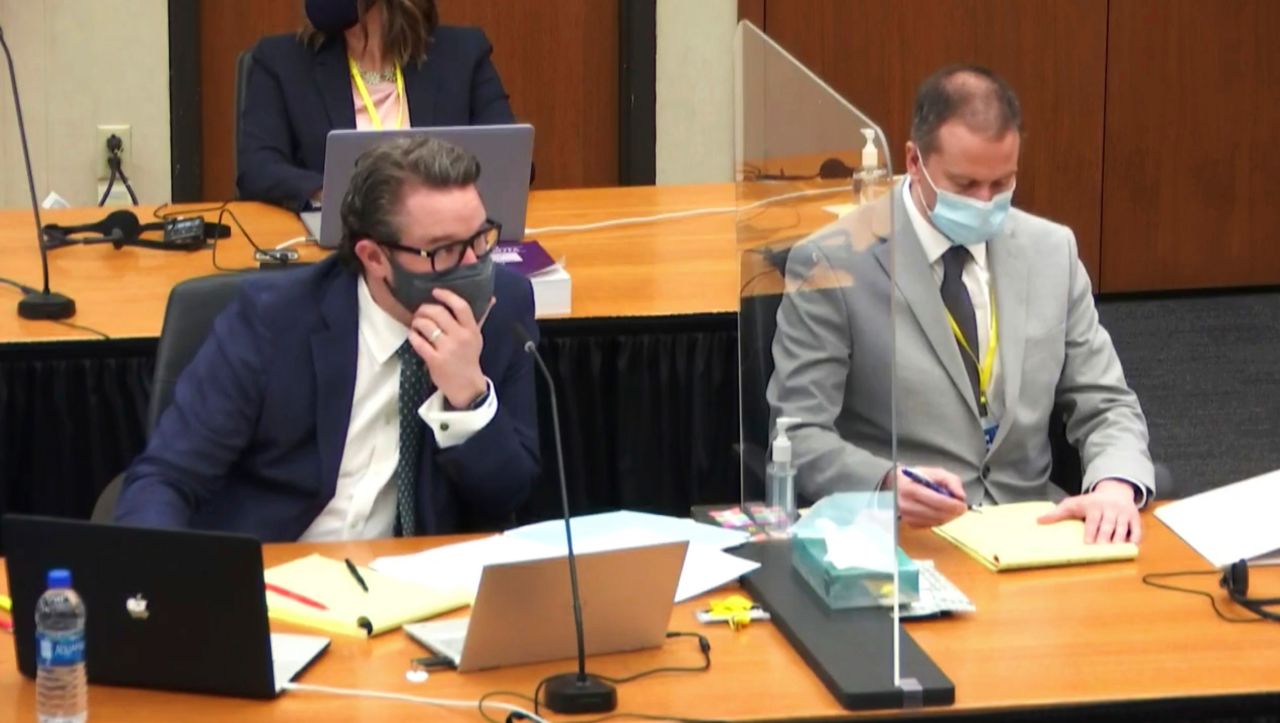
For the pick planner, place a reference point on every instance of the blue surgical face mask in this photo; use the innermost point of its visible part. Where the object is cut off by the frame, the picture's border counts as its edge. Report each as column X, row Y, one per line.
column 966, row 221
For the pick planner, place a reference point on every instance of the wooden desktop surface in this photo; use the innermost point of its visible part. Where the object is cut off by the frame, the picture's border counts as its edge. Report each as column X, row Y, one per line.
column 664, row 267
column 1044, row 638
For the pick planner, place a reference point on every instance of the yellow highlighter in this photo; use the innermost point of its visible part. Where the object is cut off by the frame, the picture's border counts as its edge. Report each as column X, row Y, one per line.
column 6, row 604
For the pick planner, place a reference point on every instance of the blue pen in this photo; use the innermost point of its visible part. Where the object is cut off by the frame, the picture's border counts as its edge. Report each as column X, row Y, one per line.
column 918, row 478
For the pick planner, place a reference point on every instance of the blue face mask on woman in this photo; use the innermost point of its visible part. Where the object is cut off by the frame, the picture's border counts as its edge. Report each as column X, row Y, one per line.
column 966, row 221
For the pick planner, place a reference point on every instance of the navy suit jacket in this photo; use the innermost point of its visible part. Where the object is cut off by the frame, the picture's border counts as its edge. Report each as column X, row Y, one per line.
column 255, row 433
column 295, row 95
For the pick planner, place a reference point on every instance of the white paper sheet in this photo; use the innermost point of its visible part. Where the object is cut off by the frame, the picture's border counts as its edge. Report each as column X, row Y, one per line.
column 663, row 528
column 706, row 566
column 462, row 561
column 1235, row 522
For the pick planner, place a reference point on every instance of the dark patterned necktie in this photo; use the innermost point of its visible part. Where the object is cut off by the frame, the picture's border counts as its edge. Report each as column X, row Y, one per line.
column 413, row 391
column 956, row 298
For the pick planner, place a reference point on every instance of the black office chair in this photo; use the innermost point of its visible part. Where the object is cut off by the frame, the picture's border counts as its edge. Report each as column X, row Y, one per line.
column 188, row 318
column 1068, row 474
column 243, row 62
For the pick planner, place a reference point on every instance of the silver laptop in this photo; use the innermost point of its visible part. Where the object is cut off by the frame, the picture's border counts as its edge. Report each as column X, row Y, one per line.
column 168, row 609
column 523, row 611
column 505, row 153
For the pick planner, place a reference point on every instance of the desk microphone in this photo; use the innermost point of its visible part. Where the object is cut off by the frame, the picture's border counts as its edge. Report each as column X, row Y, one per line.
column 569, row 692
column 44, row 304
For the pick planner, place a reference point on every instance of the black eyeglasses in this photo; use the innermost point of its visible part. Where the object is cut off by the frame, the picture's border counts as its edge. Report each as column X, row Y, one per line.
column 450, row 255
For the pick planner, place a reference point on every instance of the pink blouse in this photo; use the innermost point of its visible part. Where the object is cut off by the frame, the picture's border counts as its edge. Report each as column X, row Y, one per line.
column 386, row 100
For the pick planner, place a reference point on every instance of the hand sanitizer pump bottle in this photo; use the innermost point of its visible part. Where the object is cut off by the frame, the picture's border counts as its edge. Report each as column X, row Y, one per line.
column 780, row 481
column 872, row 178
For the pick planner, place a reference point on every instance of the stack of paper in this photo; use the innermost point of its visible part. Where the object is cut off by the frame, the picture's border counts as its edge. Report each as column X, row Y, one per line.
column 1235, row 522
column 323, row 594
column 552, row 287
column 706, row 564
column 1008, row 537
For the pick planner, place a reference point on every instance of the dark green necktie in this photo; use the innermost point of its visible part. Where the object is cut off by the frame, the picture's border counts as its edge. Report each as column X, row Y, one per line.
column 413, row 391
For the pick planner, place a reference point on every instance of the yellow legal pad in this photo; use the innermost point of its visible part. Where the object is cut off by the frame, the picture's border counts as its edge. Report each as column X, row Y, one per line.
column 1007, row 537
column 389, row 603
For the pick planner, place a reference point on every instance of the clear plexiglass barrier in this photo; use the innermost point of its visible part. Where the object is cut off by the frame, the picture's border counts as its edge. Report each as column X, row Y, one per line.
column 815, row 213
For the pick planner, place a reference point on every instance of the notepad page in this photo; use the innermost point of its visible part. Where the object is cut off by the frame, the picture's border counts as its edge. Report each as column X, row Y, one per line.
column 1008, row 537
column 388, row 604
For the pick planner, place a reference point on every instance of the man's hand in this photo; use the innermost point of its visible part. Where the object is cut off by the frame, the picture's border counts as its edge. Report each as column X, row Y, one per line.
column 920, row 506
column 1110, row 513
column 447, row 337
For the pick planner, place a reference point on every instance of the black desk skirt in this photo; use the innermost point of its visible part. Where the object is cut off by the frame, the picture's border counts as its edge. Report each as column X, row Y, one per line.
column 649, row 414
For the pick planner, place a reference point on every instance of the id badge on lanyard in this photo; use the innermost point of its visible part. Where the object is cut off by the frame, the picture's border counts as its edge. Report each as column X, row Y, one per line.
column 990, row 428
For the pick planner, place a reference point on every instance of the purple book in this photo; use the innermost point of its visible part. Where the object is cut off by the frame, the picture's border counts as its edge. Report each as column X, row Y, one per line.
column 528, row 258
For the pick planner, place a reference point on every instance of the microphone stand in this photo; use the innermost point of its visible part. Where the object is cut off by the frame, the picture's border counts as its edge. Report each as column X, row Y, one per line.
column 44, row 304
column 578, row 692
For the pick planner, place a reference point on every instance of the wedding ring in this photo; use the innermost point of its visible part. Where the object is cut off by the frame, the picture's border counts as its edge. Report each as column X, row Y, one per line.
column 435, row 335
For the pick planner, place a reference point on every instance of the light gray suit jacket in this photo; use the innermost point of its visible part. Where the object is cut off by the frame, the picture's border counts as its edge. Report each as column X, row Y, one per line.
column 833, row 356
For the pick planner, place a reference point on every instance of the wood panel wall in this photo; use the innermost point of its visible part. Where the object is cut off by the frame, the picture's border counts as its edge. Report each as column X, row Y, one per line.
column 752, row 11
column 1191, row 197
column 558, row 61
column 876, row 52
column 227, row 28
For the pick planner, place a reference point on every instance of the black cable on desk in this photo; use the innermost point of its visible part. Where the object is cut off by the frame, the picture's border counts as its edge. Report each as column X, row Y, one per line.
column 1150, row 578
column 704, row 646
column 19, row 286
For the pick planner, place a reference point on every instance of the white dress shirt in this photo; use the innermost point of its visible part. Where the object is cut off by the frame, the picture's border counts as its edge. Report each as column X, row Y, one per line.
column 976, row 278
column 364, row 501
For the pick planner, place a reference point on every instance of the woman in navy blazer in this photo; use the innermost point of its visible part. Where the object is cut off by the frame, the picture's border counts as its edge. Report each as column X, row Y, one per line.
column 301, row 86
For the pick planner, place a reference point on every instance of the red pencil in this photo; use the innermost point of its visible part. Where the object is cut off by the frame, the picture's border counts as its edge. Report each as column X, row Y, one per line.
column 295, row 596
column 6, row 626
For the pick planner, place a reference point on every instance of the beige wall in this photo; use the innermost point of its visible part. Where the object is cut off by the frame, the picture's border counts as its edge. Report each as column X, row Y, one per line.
column 81, row 64
column 694, row 68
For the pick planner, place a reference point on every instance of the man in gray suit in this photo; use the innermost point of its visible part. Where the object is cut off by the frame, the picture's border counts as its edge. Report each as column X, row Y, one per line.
column 995, row 326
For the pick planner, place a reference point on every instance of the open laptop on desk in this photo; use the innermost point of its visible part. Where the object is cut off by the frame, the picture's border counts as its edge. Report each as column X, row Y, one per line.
column 166, row 609
column 523, row 611
column 505, row 153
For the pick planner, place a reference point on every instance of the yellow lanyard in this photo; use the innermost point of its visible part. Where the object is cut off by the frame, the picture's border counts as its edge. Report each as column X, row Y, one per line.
column 374, row 119
column 988, row 362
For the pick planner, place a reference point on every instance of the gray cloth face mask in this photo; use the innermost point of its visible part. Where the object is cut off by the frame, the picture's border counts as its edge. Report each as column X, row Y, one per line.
column 473, row 282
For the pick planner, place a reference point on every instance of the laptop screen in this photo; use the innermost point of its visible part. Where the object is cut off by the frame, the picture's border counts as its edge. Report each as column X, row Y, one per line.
column 505, row 153
column 167, row 609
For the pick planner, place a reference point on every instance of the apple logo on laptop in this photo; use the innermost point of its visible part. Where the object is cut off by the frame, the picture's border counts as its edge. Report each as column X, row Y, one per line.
column 137, row 607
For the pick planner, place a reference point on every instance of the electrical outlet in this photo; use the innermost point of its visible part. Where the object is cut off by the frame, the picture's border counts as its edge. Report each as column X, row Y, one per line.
column 126, row 154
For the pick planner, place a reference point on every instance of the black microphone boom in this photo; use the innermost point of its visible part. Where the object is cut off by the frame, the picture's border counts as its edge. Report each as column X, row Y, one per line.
column 569, row 692
column 46, row 304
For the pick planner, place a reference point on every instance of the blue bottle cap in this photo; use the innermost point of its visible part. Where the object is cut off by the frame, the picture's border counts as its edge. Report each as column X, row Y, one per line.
column 59, row 577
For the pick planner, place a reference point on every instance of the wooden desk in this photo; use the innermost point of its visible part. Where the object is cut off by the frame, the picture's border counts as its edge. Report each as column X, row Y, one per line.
column 1069, row 639
column 660, row 268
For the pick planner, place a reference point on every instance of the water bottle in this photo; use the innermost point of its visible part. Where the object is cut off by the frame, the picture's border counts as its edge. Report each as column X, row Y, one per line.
column 61, row 688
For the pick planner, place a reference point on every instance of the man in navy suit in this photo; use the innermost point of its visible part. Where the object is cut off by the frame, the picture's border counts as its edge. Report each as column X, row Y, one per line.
column 357, row 64
column 379, row 392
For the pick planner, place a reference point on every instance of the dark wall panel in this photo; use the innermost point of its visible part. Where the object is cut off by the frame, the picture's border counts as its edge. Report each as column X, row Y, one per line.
column 1193, row 105
column 752, row 11
column 228, row 27
column 559, row 61
column 875, row 53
